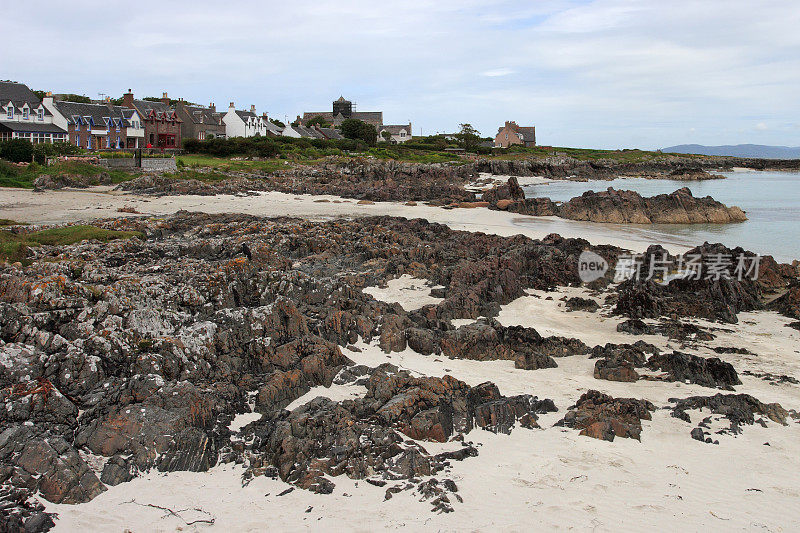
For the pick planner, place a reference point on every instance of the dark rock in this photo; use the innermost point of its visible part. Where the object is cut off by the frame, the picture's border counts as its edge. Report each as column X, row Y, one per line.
column 615, row 369
column 602, row 417
column 737, row 408
column 576, row 303
column 708, row 372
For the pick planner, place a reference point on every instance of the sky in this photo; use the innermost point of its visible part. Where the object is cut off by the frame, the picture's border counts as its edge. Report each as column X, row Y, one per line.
column 603, row 73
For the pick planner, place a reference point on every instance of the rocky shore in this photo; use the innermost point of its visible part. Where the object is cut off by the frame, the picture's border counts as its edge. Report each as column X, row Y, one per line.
column 618, row 207
column 438, row 184
column 125, row 357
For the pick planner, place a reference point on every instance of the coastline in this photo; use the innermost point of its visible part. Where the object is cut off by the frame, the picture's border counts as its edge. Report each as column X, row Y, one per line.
column 84, row 205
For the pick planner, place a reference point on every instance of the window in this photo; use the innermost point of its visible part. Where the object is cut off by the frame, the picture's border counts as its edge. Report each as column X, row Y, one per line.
column 25, row 113
column 89, row 142
column 108, row 142
column 119, row 144
column 40, row 114
column 10, row 112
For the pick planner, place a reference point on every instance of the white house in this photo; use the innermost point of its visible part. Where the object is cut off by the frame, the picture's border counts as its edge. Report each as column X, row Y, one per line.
column 24, row 116
column 244, row 123
column 399, row 133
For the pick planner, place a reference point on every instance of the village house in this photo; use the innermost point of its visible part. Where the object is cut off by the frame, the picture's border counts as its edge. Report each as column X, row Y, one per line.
column 98, row 126
column 512, row 133
column 244, row 123
column 272, row 128
column 342, row 110
column 162, row 126
column 398, row 133
column 24, row 116
column 200, row 122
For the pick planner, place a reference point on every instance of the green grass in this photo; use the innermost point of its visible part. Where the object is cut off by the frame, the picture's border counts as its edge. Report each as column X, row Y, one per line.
column 22, row 177
column 587, row 154
column 9, row 222
column 229, row 165
column 14, row 246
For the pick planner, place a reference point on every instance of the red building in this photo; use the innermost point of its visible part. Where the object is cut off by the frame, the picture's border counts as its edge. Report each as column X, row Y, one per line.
column 162, row 126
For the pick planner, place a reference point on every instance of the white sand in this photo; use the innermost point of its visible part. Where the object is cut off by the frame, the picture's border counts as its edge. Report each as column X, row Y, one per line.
column 52, row 207
column 529, row 480
column 410, row 292
column 337, row 393
column 532, row 479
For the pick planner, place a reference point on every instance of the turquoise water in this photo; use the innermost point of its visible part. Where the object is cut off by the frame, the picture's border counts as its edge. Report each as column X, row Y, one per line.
column 771, row 201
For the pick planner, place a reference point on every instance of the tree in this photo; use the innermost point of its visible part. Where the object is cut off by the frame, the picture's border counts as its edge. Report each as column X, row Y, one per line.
column 357, row 129
column 387, row 136
column 277, row 122
column 468, row 137
column 319, row 121
column 78, row 98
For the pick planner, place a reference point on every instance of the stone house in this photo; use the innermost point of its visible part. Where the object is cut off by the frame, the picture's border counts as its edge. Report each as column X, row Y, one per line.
column 200, row 122
column 512, row 133
column 162, row 126
column 24, row 116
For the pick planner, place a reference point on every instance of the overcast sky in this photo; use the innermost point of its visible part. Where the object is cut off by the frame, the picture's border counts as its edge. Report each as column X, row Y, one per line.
column 604, row 73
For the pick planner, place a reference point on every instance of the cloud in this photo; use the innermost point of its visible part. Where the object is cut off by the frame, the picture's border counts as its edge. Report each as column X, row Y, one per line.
column 761, row 126
column 606, row 73
column 496, row 73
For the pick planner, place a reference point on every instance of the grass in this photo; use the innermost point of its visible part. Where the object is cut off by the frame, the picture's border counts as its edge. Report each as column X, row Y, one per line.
column 22, row 177
column 9, row 222
column 587, row 154
column 229, row 165
column 14, row 246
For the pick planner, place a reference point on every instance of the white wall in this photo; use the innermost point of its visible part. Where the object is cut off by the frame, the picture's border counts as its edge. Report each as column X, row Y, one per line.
column 234, row 125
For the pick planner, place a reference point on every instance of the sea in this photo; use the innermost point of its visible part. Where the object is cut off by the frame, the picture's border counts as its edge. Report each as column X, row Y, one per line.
column 771, row 201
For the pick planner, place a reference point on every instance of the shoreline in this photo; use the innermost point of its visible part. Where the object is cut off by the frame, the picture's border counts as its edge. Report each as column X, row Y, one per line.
column 84, row 205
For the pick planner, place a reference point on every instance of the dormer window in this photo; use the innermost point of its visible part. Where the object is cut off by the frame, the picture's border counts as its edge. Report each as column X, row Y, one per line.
column 40, row 114
column 25, row 113
column 10, row 112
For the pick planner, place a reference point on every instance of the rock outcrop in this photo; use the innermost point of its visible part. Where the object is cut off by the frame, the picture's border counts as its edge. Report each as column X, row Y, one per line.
column 617, row 206
column 629, row 207
column 602, row 417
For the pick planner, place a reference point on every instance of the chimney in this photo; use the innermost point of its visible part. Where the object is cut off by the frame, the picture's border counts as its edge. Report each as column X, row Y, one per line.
column 232, row 106
column 253, row 109
column 165, row 99
column 127, row 99
column 49, row 94
column 212, row 107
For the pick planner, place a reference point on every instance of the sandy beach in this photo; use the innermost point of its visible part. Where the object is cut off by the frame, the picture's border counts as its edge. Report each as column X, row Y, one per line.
column 549, row 478
column 84, row 205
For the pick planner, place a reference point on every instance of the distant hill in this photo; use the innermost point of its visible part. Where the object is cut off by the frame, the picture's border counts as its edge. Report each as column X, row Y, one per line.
column 739, row 150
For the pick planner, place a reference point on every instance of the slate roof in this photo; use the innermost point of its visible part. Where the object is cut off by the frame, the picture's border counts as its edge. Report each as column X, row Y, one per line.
column 98, row 113
column 159, row 109
column 395, row 129
column 32, row 127
column 527, row 134
column 309, row 133
column 245, row 115
column 331, row 133
column 273, row 128
column 19, row 94
column 204, row 115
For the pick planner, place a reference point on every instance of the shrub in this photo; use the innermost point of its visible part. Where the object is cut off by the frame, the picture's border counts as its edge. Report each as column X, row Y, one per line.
column 16, row 151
